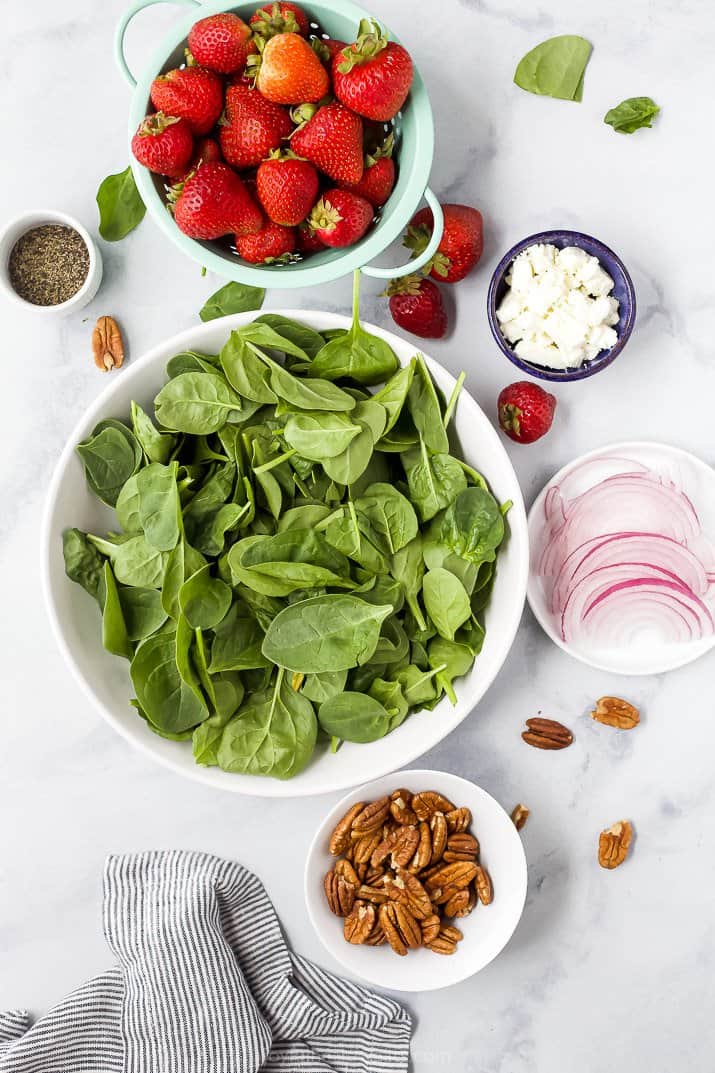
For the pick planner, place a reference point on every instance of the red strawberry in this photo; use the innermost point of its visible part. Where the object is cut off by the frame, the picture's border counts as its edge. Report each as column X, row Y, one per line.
column 221, row 42
column 308, row 241
column 332, row 139
column 326, row 47
column 290, row 72
column 526, row 411
column 253, row 127
column 416, row 305
column 191, row 93
column 341, row 218
column 271, row 244
column 461, row 244
column 287, row 187
column 283, row 18
column 214, row 202
column 374, row 75
column 205, row 151
column 163, row 144
column 378, row 178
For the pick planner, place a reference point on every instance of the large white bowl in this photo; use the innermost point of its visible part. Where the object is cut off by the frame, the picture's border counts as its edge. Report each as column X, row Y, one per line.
column 105, row 678
column 486, row 930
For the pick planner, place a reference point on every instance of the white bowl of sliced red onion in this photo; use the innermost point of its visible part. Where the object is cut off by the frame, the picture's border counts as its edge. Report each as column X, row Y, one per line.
column 623, row 558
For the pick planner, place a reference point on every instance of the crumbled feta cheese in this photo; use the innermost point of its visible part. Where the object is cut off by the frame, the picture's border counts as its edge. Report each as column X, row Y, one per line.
column 558, row 310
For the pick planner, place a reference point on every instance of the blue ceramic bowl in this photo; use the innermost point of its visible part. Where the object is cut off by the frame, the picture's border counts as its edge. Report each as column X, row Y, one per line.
column 623, row 290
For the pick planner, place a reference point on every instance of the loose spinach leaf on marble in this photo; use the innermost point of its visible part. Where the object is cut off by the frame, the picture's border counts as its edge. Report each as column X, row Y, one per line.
column 632, row 114
column 121, row 208
column 232, row 298
column 555, row 68
column 283, row 541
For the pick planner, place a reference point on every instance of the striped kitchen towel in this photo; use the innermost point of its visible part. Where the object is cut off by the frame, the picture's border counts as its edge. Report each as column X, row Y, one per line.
column 205, row 983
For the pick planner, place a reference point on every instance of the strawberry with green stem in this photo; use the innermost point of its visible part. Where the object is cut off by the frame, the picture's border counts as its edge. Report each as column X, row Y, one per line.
column 214, row 202
column 340, row 218
column 332, row 140
column 164, row 144
column 287, row 187
column 287, row 70
column 378, row 178
column 372, row 76
column 525, row 411
column 252, row 127
column 221, row 42
column 416, row 305
column 460, row 247
column 273, row 244
column 191, row 93
column 279, row 18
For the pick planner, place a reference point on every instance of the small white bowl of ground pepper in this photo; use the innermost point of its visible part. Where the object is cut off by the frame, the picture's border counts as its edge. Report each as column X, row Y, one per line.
column 49, row 262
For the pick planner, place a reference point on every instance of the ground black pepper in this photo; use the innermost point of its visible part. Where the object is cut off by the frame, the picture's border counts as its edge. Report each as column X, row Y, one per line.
column 48, row 264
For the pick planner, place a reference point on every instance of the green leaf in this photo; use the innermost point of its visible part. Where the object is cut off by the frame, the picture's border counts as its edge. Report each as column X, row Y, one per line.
column 632, row 114
column 83, row 563
column 320, row 435
column 446, row 601
column 197, row 403
column 114, row 631
column 359, row 355
column 159, row 507
column 232, row 298
column 111, row 455
column 555, row 68
column 169, row 704
column 325, row 633
column 204, row 600
column 355, row 717
column 121, row 208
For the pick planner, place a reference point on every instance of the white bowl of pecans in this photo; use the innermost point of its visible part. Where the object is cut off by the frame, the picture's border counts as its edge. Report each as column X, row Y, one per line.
column 416, row 881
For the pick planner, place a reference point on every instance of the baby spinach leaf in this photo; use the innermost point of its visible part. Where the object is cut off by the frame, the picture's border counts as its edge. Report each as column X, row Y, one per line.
column 393, row 700
column 159, row 507
column 272, row 734
column 237, row 643
column 307, row 394
column 169, row 704
column 320, row 435
column 393, row 395
column 446, row 601
column 306, row 516
column 294, row 332
column 425, row 409
column 320, row 687
column 134, row 561
column 111, row 455
column 355, row 717
column 555, row 68
column 197, row 403
column 453, row 658
column 245, row 371
column 359, row 355
column 389, row 514
column 83, row 563
column 142, row 611
column 121, row 208
column 325, row 633
column 190, row 361
column 184, row 638
column 632, row 114
column 114, row 631
column 204, row 600
column 180, row 564
column 407, row 567
column 157, row 446
column 347, row 467
column 232, row 298
column 206, row 739
column 434, row 480
column 473, row 525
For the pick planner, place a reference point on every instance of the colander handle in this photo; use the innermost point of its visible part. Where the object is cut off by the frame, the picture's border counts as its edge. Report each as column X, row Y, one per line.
column 126, row 18
column 427, row 253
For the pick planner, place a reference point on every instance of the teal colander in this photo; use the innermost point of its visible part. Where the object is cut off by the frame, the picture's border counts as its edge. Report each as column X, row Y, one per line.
column 415, row 137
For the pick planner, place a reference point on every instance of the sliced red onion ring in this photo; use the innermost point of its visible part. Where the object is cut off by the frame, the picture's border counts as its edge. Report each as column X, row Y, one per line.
column 626, row 558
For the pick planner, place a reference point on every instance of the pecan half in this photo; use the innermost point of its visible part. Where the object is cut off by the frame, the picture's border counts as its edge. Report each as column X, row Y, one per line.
column 406, row 889
column 547, row 734
column 376, row 937
column 483, row 885
column 458, row 820
column 400, row 808
column 340, row 838
column 519, row 816
column 107, row 344
column 461, row 847
column 399, row 845
column 458, row 874
column 426, row 803
column 615, row 712
column 345, row 869
column 371, row 817
column 446, row 941
column 430, row 929
column 613, row 844
column 401, row 929
column 440, row 833
column 339, row 895
column 363, row 847
column 359, row 923
column 461, row 904
column 375, row 894
column 423, row 852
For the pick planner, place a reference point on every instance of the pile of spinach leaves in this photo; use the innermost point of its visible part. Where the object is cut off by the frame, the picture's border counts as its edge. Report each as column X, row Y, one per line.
column 296, row 559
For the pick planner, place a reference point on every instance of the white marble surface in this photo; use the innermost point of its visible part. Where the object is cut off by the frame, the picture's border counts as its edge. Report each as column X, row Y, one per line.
column 607, row 971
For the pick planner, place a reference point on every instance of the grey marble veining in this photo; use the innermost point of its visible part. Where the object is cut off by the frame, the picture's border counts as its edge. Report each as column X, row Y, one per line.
column 606, row 971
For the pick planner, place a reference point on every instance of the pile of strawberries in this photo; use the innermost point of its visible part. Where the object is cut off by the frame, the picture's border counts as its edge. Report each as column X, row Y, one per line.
column 275, row 135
